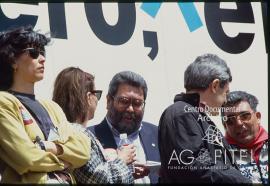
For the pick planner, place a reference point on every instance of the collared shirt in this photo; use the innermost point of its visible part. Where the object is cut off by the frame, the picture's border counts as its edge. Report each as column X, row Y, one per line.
column 134, row 138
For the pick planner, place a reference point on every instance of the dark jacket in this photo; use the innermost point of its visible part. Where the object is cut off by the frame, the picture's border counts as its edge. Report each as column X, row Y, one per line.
column 190, row 151
column 148, row 135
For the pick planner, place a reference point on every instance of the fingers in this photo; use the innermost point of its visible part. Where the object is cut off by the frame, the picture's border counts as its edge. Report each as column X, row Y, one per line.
column 130, row 150
column 127, row 153
column 146, row 171
column 132, row 156
column 140, row 172
column 66, row 164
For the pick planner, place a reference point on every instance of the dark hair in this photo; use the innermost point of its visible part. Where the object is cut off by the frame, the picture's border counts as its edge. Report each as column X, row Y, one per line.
column 127, row 77
column 70, row 89
column 236, row 97
column 12, row 43
column 206, row 68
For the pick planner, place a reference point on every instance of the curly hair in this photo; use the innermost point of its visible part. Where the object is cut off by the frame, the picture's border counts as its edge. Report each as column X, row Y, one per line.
column 70, row 88
column 12, row 43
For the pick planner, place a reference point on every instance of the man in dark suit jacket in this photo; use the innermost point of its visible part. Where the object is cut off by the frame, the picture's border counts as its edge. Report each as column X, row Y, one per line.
column 125, row 104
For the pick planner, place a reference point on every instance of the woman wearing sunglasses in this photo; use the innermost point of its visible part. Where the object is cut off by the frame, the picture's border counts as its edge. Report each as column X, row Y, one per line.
column 74, row 91
column 37, row 144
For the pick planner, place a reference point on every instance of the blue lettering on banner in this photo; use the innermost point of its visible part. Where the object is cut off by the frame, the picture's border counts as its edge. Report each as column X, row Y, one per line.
column 188, row 10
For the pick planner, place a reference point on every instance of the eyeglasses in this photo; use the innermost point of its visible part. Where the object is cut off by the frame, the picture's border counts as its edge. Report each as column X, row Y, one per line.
column 97, row 93
column 243, row 116
column 125, row 102
column 34, row 53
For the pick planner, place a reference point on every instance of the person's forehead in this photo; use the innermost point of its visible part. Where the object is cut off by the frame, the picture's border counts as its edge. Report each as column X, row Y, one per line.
column 242, row 106
column 126, row 88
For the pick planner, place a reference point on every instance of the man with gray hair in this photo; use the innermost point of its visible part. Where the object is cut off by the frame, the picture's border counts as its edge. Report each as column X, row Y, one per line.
column 192, row 149
column 125, row 104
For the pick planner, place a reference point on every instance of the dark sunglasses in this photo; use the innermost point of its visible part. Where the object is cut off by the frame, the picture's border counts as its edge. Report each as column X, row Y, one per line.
column 125, row 102
column 34, row 53
column 97, row 93
column 243, row 116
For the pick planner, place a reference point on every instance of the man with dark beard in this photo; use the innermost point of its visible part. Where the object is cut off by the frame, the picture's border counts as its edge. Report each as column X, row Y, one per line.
column 125, row 104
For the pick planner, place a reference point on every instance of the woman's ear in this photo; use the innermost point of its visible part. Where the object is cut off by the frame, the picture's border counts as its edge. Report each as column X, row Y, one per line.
column 88, row 96
column 215, row 85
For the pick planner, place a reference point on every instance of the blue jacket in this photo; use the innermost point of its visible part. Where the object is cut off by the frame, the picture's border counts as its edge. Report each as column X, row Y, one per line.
column 148, row 135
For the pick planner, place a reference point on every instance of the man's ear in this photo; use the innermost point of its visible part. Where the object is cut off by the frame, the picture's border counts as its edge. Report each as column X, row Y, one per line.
column 215, row 85
column 223, row 119
column 258, row 115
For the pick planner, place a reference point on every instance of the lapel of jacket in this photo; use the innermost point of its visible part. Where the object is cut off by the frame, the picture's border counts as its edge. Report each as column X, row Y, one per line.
column 104, row 135
column 146, row 142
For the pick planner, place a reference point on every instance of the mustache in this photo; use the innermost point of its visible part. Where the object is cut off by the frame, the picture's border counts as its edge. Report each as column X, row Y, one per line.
column 129, row 115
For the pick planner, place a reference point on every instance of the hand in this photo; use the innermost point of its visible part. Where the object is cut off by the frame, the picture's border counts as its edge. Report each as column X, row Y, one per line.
column 53, row 148
column 127, row 153
column 56, row 150
column 110, row 154
column 140, row 170
column 66, row 164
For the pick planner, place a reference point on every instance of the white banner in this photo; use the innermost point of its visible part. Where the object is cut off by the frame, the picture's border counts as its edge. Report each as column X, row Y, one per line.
column 156, row 40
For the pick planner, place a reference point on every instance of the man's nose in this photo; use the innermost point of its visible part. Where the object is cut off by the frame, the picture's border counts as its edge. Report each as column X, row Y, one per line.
column 239, row 122
column 130, row 108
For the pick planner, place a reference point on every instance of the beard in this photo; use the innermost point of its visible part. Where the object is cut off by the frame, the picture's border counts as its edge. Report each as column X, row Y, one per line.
column 118, row 122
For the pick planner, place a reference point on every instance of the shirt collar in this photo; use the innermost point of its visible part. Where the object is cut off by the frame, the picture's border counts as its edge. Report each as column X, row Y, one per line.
column 22, row 95
column 191, row 98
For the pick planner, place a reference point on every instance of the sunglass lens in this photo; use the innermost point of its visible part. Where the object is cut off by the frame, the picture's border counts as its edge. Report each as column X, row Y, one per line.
column 98, row 94
column 245, row 116
column 33, row 53
column 42, row 52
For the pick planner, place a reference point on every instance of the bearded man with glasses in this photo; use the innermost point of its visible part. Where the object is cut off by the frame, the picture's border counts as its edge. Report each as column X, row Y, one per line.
column 125, row 108
column 245, row 134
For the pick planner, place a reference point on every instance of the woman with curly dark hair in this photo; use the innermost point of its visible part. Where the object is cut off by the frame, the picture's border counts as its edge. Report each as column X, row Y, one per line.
column 37, row 144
